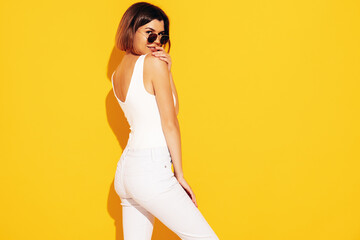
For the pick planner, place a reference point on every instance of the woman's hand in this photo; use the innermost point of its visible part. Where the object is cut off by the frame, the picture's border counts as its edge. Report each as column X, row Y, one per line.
column 160, row 53
column 188, row 189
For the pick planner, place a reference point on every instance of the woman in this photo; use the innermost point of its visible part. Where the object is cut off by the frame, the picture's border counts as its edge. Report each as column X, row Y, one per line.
column 145, row 90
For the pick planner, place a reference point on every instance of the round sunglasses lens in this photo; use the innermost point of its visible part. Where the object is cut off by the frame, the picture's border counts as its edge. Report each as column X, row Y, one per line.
column 152, row 37
column 164, row 39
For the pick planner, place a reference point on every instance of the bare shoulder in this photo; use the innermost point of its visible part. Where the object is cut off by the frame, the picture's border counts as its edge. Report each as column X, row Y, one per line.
column 155, row 67
column 155, row 61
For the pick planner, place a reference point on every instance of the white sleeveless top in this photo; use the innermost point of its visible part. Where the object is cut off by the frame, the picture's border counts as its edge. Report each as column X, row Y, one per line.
column 141, row 111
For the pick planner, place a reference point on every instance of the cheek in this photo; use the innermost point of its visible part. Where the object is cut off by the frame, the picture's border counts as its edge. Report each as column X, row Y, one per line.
column 140, row 43
column 137, row 41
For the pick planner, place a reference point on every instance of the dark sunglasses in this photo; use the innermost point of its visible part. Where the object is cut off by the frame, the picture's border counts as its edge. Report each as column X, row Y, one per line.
column 153, row 36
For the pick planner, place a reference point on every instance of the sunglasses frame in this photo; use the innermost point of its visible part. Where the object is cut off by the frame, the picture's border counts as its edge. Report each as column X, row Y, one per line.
column 157, row 35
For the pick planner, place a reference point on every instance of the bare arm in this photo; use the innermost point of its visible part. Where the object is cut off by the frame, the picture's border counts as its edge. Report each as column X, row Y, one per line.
column 162, row 80
column 176, row 95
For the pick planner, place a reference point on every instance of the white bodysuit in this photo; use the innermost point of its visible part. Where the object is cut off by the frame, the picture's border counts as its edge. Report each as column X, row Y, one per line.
column 141, row 111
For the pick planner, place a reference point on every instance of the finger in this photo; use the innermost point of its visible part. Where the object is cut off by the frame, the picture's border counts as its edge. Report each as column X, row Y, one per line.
column 157, row 54
column 164, row 58
column 161, row 57
column 194, row 200
column 187, row 191
column 192, row 195
column 159, row 48
column 160, row 54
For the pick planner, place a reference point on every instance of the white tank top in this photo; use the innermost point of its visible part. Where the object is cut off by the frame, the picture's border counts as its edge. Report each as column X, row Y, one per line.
column 141, row 111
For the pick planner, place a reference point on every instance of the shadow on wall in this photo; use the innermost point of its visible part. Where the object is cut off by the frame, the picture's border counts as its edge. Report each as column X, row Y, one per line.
column 120, row 127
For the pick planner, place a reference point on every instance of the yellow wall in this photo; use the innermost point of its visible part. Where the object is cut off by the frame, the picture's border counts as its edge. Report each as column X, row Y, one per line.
column 269, row 117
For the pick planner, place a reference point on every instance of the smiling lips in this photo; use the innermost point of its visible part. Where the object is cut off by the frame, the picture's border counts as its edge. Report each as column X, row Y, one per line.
column 152, row 48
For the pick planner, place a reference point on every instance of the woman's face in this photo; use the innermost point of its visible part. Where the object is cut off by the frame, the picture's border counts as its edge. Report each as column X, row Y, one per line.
column 141, row 44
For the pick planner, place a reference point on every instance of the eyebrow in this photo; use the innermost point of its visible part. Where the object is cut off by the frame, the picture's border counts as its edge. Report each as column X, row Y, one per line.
column 154, row 29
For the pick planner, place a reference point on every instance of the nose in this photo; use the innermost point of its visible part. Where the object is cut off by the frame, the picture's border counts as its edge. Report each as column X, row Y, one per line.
column 157, row 41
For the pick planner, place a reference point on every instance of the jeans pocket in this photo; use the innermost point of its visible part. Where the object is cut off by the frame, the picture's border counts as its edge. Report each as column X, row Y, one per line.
column 158, row 178
column 163, row 164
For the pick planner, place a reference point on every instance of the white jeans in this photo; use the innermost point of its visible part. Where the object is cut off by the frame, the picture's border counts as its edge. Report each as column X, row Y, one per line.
column 148, row 188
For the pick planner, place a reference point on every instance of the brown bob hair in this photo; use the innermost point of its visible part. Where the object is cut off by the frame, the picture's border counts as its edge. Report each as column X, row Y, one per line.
column 137, row 15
